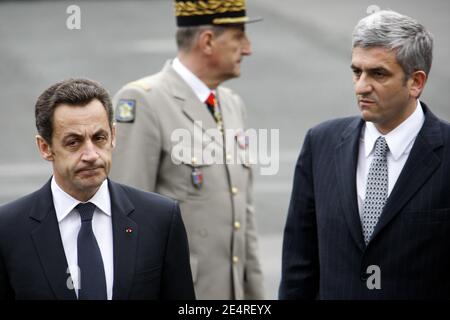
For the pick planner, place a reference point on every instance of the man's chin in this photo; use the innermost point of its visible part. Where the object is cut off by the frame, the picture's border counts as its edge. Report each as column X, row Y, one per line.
column 92, row 182
column 368, row 116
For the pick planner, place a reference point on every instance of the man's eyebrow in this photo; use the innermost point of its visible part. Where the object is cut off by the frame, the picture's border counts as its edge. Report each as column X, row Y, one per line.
column 380, row 68
column 72, row 135
column 101, row 131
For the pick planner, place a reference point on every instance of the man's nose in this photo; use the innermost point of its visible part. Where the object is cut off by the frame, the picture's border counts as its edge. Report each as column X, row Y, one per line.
column 90, row 153
column 362, row 85
column 246, row 46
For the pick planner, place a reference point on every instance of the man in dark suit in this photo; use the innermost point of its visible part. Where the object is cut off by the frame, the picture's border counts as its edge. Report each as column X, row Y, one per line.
column 369, row 216
column 82, row 235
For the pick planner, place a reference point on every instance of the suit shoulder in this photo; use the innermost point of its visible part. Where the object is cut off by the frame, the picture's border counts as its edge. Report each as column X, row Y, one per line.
column 145, row 83
column 445, row 127
column 226, row 90
column 230, row 93
column 142, row 86
column 17, row 209
column 233, row 100
column 445, row 124
column 151, row 207
column 137, row 97
column 334, row 126
column 144, row 198
column 435, row 121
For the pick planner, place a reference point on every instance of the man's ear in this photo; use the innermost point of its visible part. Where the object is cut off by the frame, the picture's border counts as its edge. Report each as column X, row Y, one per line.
column 416, row 83
column 113, row 135
column 44, row 148
column 205, row 41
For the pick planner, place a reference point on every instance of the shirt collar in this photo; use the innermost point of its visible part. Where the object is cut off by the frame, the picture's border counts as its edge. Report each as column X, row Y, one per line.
column 200, row 89
column 398, row 139
column 65, row 203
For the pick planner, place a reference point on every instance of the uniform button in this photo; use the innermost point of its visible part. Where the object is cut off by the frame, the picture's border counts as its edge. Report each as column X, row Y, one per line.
column 194, row 160
column 235, row 259
column 234, row 190
column 237, row 225
column 228, row 157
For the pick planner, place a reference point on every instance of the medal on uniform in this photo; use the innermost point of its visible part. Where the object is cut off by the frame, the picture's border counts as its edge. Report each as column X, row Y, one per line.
column 242, row 140
column 197, row 178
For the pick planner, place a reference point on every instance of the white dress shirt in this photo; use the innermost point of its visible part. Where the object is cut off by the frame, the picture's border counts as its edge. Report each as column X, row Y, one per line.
column 400, row 142
column 69, row 224
column 200, row 89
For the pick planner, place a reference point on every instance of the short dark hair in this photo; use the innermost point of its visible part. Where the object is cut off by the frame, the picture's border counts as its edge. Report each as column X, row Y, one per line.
column 79, row 92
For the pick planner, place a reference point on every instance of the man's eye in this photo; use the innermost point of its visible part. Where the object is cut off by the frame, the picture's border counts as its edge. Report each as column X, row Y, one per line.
column 72, row 143
column 357, row 73
column 379, row 74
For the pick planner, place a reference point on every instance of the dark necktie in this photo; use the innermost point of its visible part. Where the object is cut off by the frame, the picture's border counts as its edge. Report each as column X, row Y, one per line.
column 90, row 262
column 376, row 189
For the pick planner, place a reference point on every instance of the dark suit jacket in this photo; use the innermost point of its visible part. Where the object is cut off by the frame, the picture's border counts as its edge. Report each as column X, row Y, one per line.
column 151, row 262
column 324, row 254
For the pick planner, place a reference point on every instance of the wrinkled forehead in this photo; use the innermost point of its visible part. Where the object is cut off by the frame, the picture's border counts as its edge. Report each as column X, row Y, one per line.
column 374, row 56
column 80, row 119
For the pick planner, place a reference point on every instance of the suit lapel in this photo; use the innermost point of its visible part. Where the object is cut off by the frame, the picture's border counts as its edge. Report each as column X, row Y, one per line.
column 195, row 110
column 125, row 239
column 346, row 157
column 421, row 164
column 47, row 240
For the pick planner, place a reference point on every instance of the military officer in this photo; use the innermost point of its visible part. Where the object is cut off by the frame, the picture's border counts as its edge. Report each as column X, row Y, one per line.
column 208, row 172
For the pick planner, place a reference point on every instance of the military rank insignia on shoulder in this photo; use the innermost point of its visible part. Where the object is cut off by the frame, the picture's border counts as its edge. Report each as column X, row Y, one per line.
column 142, row 83
column 126, row 110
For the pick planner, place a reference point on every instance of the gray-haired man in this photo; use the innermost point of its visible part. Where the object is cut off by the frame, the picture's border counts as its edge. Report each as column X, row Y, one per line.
column 369, row 216
column 216, row 197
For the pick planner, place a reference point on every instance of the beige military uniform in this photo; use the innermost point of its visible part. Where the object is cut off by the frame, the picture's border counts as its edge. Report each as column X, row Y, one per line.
column 215, row 199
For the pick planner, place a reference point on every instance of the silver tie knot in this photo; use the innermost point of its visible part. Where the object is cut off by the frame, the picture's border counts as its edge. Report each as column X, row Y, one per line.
column 381, row 147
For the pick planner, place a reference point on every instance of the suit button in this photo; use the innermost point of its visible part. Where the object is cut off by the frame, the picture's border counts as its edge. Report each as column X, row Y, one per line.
column 237, row 225
column 234, row 191
column 228, row 157
column 364, row 276
column 194, row 160
column 235, row 259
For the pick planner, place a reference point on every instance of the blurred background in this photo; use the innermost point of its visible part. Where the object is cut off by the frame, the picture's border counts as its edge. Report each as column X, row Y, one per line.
column 298, row 76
